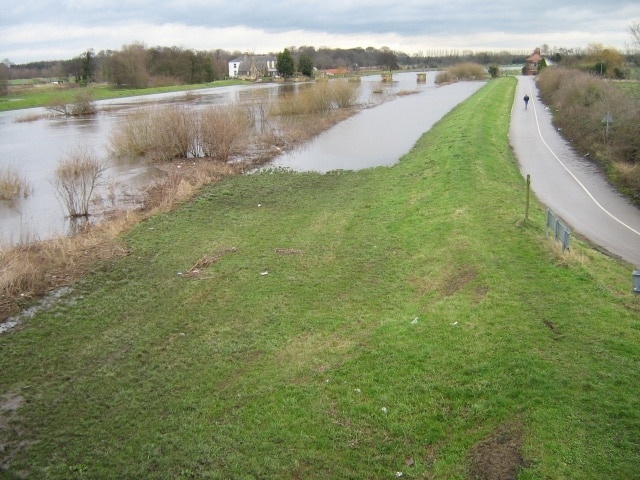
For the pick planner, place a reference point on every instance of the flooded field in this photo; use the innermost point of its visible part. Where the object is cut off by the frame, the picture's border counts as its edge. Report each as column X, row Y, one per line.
column 378, row 135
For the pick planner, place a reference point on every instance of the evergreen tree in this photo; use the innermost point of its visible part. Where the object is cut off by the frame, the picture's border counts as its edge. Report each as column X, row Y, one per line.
column 4, row 79
column 305, row 65
column 284, row 63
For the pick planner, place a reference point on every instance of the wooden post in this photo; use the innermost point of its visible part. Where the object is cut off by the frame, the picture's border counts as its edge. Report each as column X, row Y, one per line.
column 526, row 208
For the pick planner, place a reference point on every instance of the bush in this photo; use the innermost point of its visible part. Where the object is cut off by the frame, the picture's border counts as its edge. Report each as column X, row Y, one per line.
column 580, row 102
column 76, row 178
column 311, row 99
column 462, row 71
column 132, row 136
column 160, row 134
column 169, row 132
column 223, row 129
column 494, row 71
column 82, row 104
column 12, row 184
column 173, row 133
column 345, row 94
column 4, row 80
column 322, row 97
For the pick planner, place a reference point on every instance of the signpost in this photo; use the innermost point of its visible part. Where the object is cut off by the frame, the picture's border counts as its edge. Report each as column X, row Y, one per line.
column 607, row 120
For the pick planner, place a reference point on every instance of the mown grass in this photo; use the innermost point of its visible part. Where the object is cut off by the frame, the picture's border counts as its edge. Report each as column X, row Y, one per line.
column 41, row 96
column 629, row 87
column 347, row 325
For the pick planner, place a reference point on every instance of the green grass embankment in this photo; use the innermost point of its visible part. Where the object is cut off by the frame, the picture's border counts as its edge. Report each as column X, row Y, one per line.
column 44, row 95
column 347, row 325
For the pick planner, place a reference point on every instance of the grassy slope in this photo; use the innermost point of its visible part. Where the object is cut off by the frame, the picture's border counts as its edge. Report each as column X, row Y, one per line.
column 235, row 374
column 42, row 96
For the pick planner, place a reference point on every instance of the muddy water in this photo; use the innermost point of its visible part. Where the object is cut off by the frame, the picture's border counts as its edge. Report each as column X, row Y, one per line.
column 377, row 136
column 34, row 149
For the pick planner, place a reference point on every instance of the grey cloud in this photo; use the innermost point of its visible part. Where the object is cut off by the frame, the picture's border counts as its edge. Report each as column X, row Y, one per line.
column 343, row 17
column 403, row 18
column 410, row 18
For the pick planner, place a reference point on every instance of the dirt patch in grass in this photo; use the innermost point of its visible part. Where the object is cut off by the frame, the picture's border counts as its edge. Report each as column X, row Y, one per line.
column 198, row 268
column 557, row 334
column 457, row 280
column 10, row 441
column 449, row 282
column 481, row 292
column 288, row 251
column 499, row 456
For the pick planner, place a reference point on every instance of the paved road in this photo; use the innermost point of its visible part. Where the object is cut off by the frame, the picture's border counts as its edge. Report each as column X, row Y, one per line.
column 569, row 185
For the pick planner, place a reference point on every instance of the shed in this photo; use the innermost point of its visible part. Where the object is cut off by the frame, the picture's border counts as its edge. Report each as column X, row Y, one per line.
column 532, row 63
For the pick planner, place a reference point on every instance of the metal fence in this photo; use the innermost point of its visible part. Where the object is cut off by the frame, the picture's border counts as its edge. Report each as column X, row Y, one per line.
column 560, row 230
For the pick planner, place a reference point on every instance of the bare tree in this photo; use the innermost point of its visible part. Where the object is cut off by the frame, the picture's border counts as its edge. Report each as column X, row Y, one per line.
column 634, row 30
column 76, row 178
column 82, row 104
column 129, row 66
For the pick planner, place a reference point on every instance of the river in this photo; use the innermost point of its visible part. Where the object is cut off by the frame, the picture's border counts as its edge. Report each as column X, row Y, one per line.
column 378, row 135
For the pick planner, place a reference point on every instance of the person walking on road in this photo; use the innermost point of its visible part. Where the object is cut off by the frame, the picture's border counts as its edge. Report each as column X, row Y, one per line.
column 526, row 101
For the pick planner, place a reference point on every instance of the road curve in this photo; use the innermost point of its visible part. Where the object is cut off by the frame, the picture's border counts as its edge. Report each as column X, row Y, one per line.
column 572, row 187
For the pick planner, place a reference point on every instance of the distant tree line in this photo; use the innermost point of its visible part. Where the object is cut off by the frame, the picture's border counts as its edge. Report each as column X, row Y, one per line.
column 363, row 58
column 138, row 66
column 4, row 79
column 134, row 65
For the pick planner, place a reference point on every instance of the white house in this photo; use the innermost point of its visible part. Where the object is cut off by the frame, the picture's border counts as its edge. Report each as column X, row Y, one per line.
column 252, row 67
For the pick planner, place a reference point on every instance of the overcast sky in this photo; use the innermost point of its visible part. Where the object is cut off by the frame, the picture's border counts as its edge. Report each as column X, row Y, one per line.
column 58, row 30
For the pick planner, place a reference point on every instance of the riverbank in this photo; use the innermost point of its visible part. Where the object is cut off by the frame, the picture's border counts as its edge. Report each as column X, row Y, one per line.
column 397, row 320
column 43, row 95
column 35, row 267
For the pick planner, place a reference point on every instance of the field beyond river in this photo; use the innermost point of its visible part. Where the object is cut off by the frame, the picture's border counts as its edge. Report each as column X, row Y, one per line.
column 401, row 321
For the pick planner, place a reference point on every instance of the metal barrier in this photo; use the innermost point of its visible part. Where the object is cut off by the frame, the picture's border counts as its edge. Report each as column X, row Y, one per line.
column 635, row 278
column 560, row 230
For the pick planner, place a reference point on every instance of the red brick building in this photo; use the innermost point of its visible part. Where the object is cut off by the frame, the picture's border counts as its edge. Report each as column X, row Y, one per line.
column 532, row 64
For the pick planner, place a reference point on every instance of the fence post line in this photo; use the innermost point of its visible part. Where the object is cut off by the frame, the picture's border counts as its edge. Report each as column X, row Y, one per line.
column 526, row 208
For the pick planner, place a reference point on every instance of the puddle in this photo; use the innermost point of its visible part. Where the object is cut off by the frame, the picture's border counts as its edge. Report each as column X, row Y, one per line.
column 45, row 303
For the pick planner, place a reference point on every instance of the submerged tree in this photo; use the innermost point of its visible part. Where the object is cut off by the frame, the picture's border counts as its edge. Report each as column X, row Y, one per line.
column 388, row 59
column 76, row 178
column 82, row 104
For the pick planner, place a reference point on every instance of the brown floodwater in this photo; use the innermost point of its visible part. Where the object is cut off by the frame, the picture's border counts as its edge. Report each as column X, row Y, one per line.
column 378, row 135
